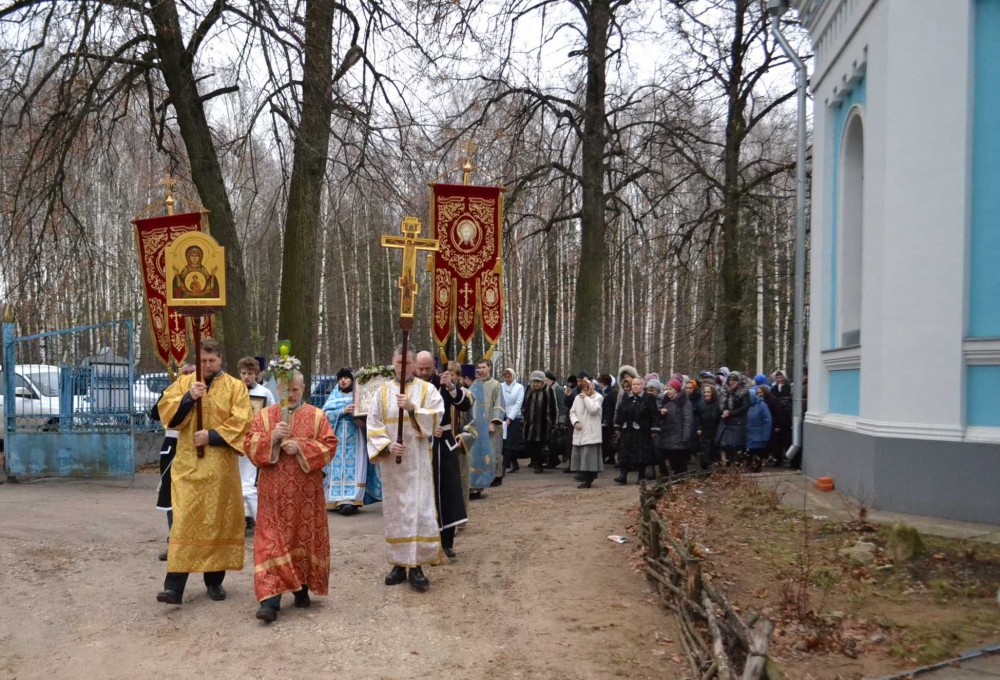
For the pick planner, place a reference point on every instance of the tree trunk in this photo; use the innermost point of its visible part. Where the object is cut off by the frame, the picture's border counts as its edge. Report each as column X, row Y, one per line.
column 297, row 321
column 733, row 277
column 590, row 279
column 176, row 64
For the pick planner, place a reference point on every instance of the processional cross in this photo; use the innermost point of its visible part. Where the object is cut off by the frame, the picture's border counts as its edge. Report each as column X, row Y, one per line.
column 410, row 242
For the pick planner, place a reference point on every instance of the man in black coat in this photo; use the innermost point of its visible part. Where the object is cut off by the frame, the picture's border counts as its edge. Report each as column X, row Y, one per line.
column 446, row 465
column 608, row 406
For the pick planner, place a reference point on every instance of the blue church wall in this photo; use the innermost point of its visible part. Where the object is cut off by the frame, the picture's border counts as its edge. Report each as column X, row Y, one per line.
column 857, row 96
column 845, row 392
column 984, row 274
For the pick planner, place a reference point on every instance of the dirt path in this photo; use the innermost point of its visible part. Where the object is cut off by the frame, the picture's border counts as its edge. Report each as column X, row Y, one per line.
column 537, row 591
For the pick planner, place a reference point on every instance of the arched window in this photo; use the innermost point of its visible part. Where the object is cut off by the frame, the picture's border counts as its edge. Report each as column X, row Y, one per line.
column 851, row 239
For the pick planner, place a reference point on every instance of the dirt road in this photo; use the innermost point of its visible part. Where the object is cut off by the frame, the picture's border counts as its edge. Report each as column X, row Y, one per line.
column 537, row 591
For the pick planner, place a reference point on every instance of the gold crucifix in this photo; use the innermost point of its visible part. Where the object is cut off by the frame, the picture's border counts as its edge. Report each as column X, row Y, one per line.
column 410, row 243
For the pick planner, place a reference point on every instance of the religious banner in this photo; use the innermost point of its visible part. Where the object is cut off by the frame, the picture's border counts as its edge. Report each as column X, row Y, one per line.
column 468, row 269
column 167, row 327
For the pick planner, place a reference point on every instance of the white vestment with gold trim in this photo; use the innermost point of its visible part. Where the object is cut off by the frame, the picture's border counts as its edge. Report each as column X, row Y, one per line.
column 411, row 521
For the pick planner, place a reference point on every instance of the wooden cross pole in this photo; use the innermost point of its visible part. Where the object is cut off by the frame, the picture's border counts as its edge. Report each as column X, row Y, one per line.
column 410, row 243
column 196, row 337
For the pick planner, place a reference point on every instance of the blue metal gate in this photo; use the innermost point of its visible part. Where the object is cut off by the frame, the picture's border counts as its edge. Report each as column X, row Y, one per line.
column 69, row 407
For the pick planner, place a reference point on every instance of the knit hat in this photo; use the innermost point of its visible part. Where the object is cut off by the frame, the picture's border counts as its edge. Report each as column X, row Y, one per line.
column 655, row 384
column 651, row 376
column 536, row 375
column 345, row 372
column 760, row 379
column 676, row 384
column 693, row 383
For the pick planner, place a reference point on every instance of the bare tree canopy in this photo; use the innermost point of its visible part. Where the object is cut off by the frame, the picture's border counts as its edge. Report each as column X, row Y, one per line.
column 646, row 151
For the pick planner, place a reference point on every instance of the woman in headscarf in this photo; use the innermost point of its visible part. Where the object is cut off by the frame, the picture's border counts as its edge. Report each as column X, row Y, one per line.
column 513, row 395
column 585, row 416
column 782, row 391
column 707, row 416
column 734, row 401
column 693, row 390
column 673, row 443
column 634, row 420
column 347, row 473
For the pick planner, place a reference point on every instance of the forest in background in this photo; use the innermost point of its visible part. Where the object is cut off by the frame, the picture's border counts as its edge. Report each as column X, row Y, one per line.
column 647, row 150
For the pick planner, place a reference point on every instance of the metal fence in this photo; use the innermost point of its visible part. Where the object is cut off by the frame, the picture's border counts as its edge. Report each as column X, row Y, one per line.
column 68, row 401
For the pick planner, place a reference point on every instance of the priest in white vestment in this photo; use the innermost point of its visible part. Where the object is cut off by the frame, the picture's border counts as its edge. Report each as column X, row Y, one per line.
column 411, row 521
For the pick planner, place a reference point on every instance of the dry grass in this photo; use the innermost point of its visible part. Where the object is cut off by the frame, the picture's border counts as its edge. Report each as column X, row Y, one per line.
column 835, row 619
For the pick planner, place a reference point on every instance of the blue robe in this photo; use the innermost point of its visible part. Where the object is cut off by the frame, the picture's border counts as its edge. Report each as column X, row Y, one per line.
column 350, row 478
column 487, row 451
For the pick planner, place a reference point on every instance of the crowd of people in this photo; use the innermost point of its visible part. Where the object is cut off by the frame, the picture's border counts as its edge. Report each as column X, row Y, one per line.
column 640, row 423
column 235, row 462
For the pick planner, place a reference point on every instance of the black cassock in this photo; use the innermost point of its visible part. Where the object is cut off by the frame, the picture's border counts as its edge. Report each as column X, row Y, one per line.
column 447, row 469
column 167, row 452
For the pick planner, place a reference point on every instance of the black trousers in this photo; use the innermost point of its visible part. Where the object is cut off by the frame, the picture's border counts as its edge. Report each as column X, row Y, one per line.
column 534, row 451
column 176, row 580
column 448, row 538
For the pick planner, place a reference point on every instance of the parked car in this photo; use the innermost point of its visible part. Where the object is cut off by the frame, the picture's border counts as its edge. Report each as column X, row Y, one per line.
column 147, row 389
column 36, row 397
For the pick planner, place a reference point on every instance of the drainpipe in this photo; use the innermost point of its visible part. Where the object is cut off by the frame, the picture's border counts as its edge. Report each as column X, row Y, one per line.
column 776, row 8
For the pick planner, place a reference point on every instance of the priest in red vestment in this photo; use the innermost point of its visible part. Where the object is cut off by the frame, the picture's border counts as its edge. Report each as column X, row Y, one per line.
column 291, row 551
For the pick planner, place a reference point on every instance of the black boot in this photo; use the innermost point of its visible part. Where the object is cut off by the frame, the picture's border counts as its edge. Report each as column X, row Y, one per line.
column 302, row 598
column 622, row 478
column 169, row 597
column 417, row 579
column 497, row 481
column 396, row 576
column 269, row 608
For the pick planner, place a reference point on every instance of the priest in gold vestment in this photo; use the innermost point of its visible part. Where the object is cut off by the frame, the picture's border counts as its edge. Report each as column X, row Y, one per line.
column 411, row 520
column 207, row 495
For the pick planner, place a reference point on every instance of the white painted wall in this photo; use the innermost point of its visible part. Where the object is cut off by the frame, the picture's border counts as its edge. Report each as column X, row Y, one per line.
column 918, row 73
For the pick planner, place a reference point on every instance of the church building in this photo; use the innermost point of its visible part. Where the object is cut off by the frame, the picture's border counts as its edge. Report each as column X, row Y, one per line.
column 904, row 326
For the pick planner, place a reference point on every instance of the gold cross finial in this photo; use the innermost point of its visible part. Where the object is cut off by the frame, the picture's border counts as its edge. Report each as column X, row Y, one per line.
column 470, row 150
column 168, row 183
column 410, row 244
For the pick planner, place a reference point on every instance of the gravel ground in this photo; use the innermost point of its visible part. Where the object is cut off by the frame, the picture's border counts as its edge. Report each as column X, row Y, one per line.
column 537, row 591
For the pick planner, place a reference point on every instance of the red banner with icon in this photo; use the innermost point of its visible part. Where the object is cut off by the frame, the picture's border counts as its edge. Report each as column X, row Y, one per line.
column 468, row 271
column 167, row 328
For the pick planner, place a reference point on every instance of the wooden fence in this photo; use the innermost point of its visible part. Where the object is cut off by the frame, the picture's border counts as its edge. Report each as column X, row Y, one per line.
column 713, row 634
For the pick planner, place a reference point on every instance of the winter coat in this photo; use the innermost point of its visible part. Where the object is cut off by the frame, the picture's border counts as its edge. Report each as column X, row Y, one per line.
column 758, row 423
column 707, row 415
column 775, row 410
column 675, row 424
column 608, row 406
column 733, row 430
column 694, row 400
column 540, row 414
column 586, row 411
column 636, row 415
column 783, row 394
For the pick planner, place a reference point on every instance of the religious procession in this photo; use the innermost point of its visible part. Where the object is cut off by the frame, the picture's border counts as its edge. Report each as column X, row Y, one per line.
column 476, row 339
